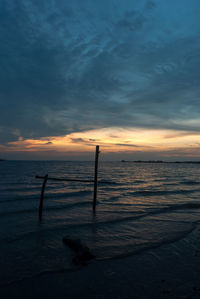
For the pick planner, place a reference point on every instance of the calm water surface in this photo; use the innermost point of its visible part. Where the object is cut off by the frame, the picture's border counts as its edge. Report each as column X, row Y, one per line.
column 140, row 206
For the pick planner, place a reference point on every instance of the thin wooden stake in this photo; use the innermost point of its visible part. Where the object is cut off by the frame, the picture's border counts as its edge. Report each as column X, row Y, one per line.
column 42, row 196
column 95, row 177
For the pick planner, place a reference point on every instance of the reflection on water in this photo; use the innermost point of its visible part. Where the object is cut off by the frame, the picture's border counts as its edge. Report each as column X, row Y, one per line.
column 144, row 205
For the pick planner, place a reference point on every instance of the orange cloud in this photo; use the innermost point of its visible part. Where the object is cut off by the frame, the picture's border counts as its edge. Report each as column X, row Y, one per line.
column 115, row 139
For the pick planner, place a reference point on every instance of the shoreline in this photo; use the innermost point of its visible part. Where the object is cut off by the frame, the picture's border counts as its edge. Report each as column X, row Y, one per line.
column 168, row 271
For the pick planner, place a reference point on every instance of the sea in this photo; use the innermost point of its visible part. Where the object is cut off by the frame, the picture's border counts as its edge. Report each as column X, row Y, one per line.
column 139, row 206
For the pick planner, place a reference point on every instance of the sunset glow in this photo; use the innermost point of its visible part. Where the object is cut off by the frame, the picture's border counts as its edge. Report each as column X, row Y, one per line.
column 115, row 139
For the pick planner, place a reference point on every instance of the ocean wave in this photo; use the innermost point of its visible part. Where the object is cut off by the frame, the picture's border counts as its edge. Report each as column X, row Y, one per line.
column 55, row 195
column 134, row 214
column 151, row 245
column 181, row 206
column 161, row 192
column 114, row 221
column 104, row 182
column 189, row 182
column 47, row 208
column 20, row 188
column 68, row 194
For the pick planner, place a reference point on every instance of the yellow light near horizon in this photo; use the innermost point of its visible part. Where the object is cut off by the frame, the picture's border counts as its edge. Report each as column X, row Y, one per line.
column 113, row 139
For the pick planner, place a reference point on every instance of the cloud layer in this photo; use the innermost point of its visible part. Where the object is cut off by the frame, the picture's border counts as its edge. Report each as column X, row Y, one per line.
column 70, row 66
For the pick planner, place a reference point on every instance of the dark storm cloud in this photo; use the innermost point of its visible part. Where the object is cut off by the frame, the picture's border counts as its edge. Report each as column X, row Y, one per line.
column 49, row 142
column 72, row 65
column 125, row 144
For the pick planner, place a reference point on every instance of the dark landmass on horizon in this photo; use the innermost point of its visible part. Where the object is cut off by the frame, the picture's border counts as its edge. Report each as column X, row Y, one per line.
column 124, row 161
column 160, row 161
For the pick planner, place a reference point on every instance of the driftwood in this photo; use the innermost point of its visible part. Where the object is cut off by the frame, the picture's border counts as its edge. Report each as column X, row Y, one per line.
column 83, row 254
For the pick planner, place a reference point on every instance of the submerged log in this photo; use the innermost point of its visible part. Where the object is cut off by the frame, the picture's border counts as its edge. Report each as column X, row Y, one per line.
column 83, row 254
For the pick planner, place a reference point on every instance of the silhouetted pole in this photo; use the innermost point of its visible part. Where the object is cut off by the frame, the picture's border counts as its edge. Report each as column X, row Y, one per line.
column 95, row 178
column 42, row 196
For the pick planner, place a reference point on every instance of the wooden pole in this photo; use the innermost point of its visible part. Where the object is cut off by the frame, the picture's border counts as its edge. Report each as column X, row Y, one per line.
column 64, row 179
column 42, row 196
column 95, row 177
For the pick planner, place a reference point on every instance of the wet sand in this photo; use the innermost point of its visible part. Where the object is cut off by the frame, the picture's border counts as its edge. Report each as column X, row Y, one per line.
column 169, row 271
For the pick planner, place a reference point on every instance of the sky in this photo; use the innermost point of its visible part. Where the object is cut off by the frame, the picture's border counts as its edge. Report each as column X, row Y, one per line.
column 120, row 74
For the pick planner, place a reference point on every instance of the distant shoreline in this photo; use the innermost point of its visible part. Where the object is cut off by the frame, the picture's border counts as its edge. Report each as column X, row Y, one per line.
column 160, row 161
column 91, row 161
